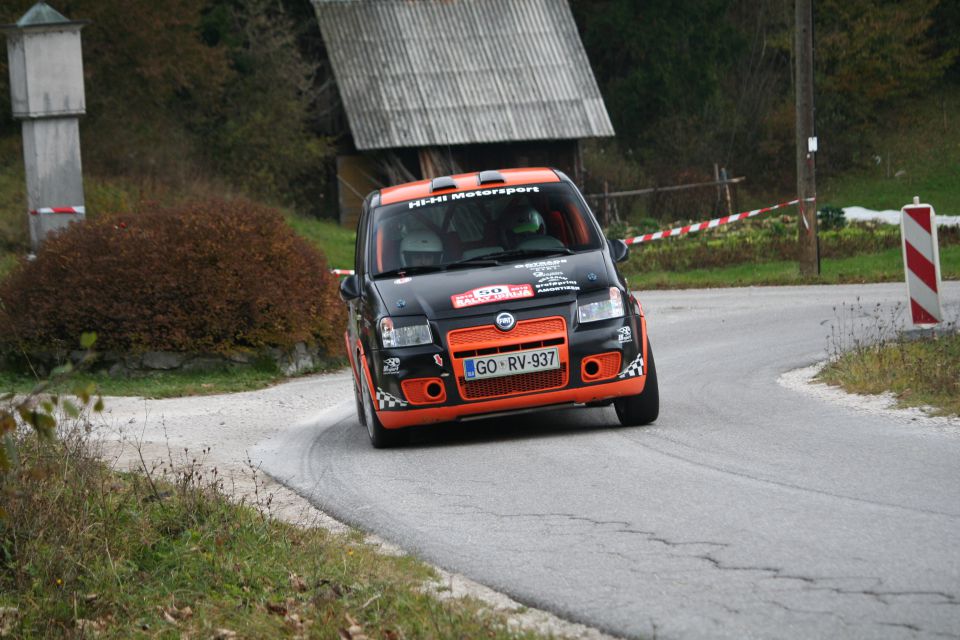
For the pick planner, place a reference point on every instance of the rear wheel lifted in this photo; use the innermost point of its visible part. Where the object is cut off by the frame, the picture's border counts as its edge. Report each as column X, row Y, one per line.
column 644, row 407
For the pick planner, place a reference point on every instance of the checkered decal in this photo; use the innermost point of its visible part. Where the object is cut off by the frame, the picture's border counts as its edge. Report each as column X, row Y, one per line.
column 633, row 369
column 387, row 401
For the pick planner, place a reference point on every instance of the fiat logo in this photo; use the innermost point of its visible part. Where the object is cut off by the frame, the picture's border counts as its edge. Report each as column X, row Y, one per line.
column 505, row 321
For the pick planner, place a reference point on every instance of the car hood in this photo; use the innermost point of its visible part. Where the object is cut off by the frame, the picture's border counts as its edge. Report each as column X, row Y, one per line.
column 479, row 290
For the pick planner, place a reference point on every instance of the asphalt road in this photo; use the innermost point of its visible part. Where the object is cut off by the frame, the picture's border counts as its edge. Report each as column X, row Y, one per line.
column 748, row 510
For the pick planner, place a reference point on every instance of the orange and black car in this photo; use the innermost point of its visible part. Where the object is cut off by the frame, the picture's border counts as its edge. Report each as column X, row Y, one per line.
column 486, row 294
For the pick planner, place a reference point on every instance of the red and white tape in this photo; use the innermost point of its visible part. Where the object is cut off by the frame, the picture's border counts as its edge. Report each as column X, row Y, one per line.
column 921, row 260
column 708, row 224
column 44, row 211
column 678, row 231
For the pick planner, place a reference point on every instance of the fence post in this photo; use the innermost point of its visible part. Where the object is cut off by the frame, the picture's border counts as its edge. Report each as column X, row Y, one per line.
column 716, row 178
column 606, row 203
column 726, row 188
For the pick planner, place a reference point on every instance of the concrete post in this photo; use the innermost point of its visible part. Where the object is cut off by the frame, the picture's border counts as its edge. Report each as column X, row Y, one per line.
column 47, row 95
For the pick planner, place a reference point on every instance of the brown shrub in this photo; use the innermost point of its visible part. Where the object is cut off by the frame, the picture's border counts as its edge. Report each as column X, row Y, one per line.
column 211, row 276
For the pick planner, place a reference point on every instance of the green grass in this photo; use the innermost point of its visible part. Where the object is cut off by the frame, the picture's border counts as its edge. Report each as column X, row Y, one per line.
column 7, row 262
column 924, row 372
column 885, row 266
column 165, row 384
column 168, row 556
column 333, row 240
column 923, row 142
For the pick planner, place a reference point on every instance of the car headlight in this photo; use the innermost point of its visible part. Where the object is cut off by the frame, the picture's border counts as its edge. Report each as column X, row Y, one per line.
column 409, row 335
column 612, row 307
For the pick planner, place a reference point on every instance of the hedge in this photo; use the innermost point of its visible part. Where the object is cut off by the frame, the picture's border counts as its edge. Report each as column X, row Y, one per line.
column 215, row 276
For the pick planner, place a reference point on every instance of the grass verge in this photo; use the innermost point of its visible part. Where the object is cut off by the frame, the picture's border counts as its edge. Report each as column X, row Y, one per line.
column 920, row 372
column 87, row 552
column 333, row 240
column 167, row 384
column 870, row 352
column 884, row 266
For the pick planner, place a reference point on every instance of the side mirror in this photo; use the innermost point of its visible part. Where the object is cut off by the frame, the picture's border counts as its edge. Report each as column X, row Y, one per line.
column 619, row 250
column 350, row 288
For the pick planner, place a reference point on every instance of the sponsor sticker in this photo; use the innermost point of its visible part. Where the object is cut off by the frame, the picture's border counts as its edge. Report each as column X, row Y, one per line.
column 438, row 359
column 466, row 195
column 391, row 366
column 402, row 280
column 491, row 293
column 550, row 275
column 625, row 334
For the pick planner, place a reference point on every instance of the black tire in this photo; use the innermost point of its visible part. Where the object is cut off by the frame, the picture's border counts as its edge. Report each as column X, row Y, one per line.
column 356, row 393
column 380, row 436
column 644, row 407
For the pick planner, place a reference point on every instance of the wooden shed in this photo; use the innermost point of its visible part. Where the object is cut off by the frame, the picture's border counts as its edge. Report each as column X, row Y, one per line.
column 434, row 87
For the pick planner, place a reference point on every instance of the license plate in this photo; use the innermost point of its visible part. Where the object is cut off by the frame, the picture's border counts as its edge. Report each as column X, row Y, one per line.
column 510, row 364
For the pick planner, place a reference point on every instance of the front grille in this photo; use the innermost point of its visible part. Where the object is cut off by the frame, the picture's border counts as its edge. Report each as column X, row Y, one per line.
column 508, row 348
column 525, row 329
column 512, row 385
column 488, row 340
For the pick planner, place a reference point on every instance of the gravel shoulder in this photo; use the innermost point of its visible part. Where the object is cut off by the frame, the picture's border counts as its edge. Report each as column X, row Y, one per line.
column 221, row 432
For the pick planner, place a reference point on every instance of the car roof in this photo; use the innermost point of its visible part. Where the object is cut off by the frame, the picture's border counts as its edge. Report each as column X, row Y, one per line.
column 466, row 182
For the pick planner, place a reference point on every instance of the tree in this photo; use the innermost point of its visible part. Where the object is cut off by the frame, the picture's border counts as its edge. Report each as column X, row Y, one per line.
column 870, row 54
column 659, row 66
column 260, row 135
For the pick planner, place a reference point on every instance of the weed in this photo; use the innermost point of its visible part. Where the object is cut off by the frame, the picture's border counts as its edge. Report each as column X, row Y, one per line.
column 870, row 352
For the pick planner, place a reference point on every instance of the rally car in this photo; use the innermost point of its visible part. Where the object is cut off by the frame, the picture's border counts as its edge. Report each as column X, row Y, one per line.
column 486, row 294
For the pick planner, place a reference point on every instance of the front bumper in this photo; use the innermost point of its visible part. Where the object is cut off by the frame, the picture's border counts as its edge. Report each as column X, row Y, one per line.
column 424, row 385
column 546, row 399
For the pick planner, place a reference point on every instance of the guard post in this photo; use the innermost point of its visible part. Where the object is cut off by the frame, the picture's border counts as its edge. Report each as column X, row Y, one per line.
column 921, row 263
column 47, row 96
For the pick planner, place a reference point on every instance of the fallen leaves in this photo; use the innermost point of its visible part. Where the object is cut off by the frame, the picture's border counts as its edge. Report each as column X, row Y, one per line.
column 354, row 631
column 173, row 615
column 297, row 583
column 93, row 627
column 9, row 618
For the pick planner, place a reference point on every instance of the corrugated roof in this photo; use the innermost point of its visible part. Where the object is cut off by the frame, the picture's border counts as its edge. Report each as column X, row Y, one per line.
column 416, row 73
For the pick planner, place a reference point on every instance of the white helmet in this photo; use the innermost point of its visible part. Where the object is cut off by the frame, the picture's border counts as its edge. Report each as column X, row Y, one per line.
column 420, row 248
column 525, row 219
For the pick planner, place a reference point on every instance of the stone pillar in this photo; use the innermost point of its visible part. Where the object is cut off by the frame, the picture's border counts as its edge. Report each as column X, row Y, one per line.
column 47, row 95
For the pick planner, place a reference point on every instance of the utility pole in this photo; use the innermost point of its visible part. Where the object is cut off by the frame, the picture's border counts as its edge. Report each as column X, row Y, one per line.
column 806, row 141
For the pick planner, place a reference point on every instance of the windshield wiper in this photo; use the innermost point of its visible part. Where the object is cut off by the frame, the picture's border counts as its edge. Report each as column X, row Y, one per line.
column 411, row 270
column 498, row 256
column 485, row 260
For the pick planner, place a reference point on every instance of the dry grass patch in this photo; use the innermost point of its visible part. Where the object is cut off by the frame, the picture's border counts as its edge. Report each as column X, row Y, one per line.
column 870, row 354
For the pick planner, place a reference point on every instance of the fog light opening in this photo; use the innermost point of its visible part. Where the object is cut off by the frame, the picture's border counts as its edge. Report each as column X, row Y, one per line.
column 591, row 368
column 434, row 390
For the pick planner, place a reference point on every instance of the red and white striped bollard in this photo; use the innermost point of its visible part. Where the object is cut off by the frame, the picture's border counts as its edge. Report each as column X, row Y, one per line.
column 921, row 261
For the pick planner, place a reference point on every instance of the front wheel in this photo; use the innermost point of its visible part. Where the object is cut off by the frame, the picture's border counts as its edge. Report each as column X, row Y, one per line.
column 380, row 436
column 361, row 414
column 644, row 407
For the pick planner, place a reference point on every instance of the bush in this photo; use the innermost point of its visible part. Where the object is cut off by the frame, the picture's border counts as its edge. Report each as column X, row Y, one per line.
column 831, row 217
column 214, row 276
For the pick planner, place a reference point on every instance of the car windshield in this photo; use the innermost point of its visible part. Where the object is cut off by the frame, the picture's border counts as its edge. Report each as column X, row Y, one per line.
column 479, row 227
